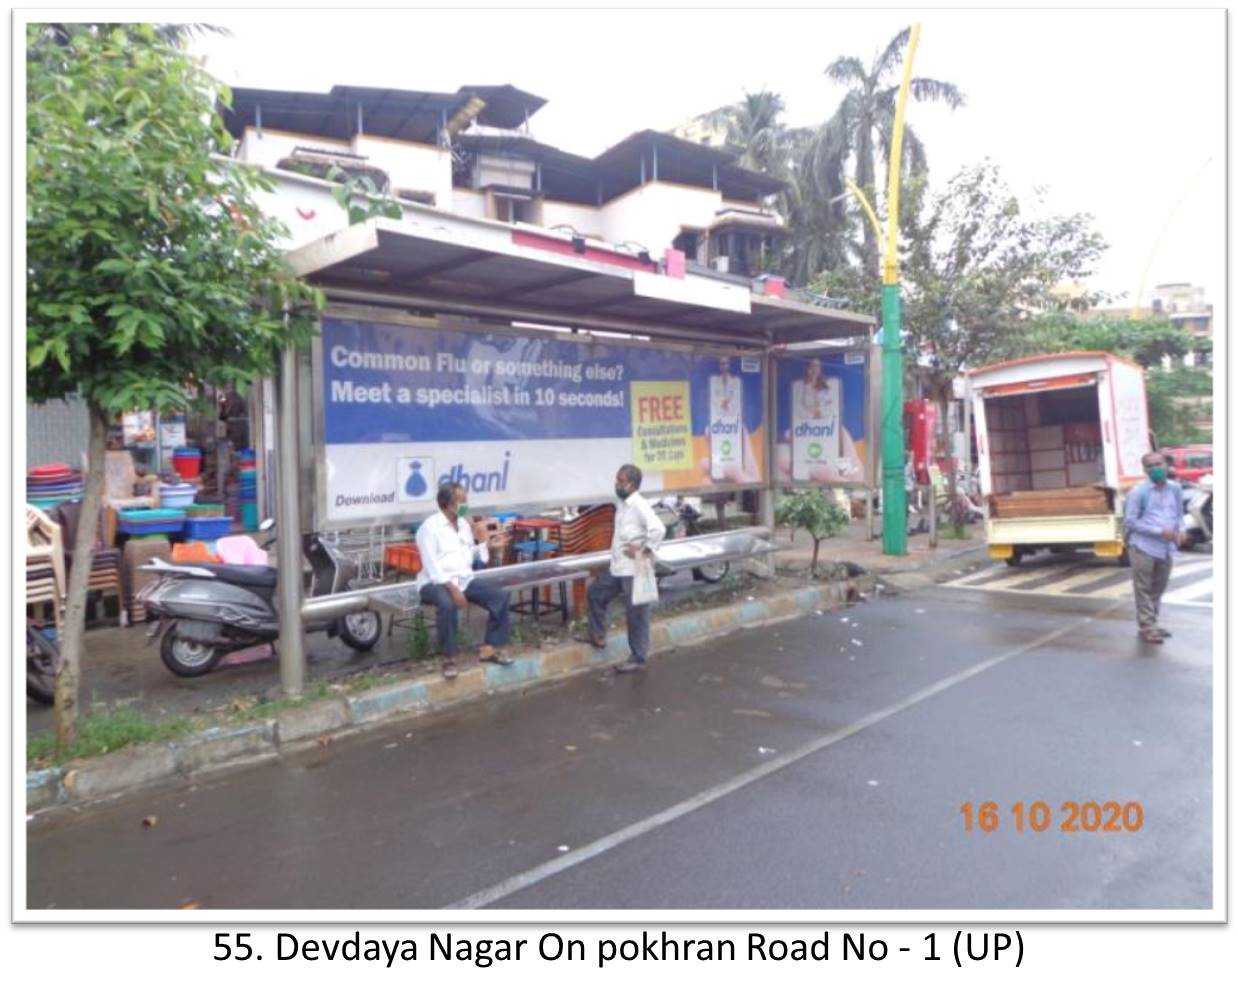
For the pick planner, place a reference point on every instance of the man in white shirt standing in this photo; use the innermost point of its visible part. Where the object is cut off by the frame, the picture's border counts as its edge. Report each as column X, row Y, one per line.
column 450, row 549
column 638, row 532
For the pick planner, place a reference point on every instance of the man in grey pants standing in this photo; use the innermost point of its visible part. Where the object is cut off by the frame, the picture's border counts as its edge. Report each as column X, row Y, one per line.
column 1154, row 527
column 638, row 531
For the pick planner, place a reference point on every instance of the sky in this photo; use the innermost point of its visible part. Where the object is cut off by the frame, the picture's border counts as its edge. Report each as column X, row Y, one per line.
column 1118, row 113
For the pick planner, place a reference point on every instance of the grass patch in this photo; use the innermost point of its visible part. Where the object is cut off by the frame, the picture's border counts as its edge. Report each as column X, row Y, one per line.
column 102, row 733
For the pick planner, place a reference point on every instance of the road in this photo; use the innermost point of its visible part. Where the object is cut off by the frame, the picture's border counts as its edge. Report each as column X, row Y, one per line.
column 819, row 764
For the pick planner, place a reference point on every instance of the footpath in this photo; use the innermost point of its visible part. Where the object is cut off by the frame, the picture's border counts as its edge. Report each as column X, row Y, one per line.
column 141, row 725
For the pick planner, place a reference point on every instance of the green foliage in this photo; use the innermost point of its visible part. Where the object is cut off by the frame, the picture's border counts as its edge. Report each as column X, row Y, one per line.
column 979, row 262
column 814, row 512
column 1177, row 400
column 150, row 268
column 1144, row 340
column 420, row 644
column 102, row 733
column 360, row 197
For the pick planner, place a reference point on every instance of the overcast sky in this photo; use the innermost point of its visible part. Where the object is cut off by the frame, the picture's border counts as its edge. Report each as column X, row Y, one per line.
column 1114, row 112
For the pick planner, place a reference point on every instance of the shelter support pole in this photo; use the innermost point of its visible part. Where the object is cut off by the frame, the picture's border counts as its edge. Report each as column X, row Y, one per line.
column 765, row 505
column 288, row 531
column 893, row 495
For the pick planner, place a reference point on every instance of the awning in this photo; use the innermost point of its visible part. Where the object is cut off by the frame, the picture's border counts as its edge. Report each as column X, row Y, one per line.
column 449, row 265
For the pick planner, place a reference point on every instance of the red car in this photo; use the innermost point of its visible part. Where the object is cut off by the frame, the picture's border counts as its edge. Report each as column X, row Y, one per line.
column 1190, row 463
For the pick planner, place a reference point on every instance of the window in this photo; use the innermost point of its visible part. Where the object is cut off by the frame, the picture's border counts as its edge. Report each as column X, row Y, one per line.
column 687, row 243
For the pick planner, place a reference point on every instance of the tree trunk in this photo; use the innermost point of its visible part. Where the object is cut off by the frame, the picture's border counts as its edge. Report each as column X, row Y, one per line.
column 816, row 548
column 72, row 637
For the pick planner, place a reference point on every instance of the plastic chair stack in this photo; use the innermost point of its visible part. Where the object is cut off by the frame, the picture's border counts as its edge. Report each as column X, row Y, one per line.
column 45, row 570
column 590, row 531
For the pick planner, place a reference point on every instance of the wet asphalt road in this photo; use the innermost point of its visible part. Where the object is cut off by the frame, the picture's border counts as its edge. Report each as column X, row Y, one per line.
column 819, row 764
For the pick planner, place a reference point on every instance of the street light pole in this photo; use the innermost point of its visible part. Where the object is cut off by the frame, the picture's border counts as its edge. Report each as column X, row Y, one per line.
column 893, row 495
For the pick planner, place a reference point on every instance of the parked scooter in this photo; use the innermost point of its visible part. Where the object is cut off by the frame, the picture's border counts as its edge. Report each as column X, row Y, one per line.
column 1197, row 498
column 206, row 611
column 683, row 519
column 42, row 663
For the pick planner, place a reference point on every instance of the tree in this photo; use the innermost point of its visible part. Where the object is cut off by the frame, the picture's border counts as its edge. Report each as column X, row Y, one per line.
column 1177, row 398
column 754, row 130
column 811, row 510
column 978, row 264
column 862, row 127
column 151, row 271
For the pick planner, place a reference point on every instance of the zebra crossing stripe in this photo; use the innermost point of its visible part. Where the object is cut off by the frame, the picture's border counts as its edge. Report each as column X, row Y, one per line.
column 1123, row 587
column 1069, row 584
column 1185, row 568
column 1190, row 594
column 1021, row 577
column 971, row 579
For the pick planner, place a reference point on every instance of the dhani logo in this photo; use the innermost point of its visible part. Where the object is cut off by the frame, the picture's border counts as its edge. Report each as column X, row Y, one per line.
column 814, row 430
column 413, row 477
column 479, row 481
column 721, row 428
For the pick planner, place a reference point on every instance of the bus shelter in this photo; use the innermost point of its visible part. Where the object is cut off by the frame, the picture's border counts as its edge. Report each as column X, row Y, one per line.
column 528, row 366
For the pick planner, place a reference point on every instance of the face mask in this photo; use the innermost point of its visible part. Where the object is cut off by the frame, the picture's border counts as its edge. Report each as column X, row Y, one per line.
column 1158, row 474
column 622, row 493
column 462, row 510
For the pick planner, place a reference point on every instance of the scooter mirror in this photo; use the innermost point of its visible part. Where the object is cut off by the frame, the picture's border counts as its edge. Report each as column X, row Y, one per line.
column 266, row 524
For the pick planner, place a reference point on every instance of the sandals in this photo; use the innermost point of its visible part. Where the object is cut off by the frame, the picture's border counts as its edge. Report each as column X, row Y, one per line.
column 498, row 657
column 592, row 642
column 1151, row 636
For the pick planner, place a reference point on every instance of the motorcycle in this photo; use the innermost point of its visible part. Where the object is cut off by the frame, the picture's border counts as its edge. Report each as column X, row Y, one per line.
column 42, row 663
column 1197, row 498
column 683, row 519
column 203, row 612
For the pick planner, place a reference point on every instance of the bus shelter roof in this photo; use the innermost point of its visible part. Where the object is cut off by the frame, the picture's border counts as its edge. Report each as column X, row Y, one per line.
column 434, row 262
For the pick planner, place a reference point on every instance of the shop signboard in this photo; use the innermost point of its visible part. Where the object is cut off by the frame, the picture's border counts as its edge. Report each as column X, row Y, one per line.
column 822, row 403
column 523, row 419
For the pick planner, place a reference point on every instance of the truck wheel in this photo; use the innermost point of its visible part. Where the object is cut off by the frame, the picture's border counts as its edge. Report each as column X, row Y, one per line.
column 1015, row 559
column 1125, row 559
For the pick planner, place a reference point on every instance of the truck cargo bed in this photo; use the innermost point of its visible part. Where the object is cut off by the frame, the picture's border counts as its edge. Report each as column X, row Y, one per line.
column 1060, row 501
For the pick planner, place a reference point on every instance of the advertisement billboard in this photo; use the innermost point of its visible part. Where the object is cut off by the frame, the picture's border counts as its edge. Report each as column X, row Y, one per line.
column 822, row 431
column 523, row 418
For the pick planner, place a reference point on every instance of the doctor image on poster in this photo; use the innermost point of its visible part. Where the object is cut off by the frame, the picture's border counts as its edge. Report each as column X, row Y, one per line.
column 818, row 447
column 731, row 456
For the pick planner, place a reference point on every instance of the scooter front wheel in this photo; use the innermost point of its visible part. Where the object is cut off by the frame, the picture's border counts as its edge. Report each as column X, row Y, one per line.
column 712, row 573
column 42, row 661
column 187, row 658
column 361, row 630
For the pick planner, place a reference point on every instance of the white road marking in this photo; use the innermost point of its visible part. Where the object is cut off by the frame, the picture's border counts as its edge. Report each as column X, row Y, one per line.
column 1190, row 594
column 1185, row 568
column 1019, row 576
column 1083, row 577
column 988, row 572
column 638, row 829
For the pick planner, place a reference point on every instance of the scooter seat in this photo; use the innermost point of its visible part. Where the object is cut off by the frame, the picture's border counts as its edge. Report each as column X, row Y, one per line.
column 250, row 575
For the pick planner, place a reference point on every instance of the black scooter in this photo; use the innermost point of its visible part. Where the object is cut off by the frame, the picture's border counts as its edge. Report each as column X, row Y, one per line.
column 207, row 611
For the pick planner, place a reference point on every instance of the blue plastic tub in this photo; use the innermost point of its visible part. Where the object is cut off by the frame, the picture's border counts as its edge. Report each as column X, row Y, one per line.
column 207, row 527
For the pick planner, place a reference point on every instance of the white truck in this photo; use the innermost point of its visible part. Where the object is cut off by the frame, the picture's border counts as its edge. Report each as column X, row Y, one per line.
column 1060, row 441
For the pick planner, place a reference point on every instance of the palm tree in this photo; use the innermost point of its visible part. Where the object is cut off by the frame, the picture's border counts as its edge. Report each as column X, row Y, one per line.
column 752, row 128
column 863, row 125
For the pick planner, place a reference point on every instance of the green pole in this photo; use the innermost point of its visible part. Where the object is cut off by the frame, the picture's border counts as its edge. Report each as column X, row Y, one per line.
column 893, row 494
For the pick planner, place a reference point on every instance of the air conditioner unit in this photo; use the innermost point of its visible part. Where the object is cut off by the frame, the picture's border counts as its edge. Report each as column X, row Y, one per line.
column 722, row 264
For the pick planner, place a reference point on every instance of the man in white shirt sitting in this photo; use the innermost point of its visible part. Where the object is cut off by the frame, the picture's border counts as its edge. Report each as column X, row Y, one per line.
column 638, row 532
column 450, row 548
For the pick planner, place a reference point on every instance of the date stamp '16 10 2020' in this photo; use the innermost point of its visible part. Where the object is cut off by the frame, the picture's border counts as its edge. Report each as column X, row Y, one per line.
column 1067, row 817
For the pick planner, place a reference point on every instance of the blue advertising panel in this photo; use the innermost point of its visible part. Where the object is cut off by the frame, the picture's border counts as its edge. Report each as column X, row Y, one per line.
column 822, row 403
column 524, row 418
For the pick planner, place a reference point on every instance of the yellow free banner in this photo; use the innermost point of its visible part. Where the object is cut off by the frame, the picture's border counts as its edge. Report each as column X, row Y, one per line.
column 661, row 425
